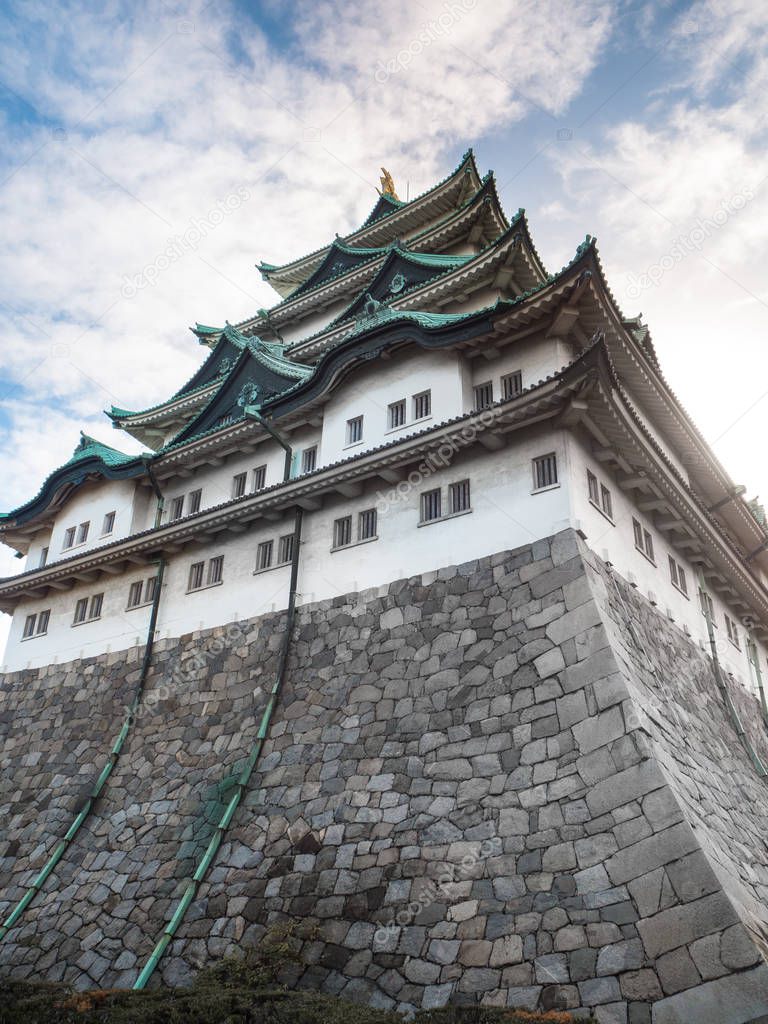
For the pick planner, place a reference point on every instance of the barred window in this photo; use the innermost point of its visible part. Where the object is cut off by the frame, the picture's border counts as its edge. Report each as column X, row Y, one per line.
column 215, row 570
column 422, row 405
column 109, row 524
column 733, row 631
column 43, row 619
column 309, row 460
column 285, row 549
column 177, row 508
column 69, row 537
column 239, row 483
column 259, row 478
column 459, row 495
column 195, row 501
column 606, row 501
column 196, row 575
column 264, row 555
column 707, row 606
column 355, row 430
column 593, row 488
column 366, row 524
column 431, row 505
column 342, row 532
column 544, row 471
column 81, row 610
column 134, row 594
column 643, row 540
column 483, row 395
column 97, row 602
column 677, row 575
column 149, row 589
column 396, row 414
column 512, row 384
column 29, row 627
column 82, row 532
column 43, row 558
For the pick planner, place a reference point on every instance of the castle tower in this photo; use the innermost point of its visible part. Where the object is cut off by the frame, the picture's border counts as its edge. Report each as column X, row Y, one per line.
column 429, row 622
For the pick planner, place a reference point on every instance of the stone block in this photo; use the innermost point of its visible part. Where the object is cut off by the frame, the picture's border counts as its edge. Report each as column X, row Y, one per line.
column 736, row 999
column 737, row 948
column 620, row 956
column 676, row 971
column 641, row 985
column 599, row 730
column 684, row 924
column 653, row 852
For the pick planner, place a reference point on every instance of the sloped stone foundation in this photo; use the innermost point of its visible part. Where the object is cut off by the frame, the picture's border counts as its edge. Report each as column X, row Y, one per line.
column 511, row 780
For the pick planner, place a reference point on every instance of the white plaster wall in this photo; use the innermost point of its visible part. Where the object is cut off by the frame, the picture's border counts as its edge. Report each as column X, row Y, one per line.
column 615, row 543
column 505, row 514
column 298, row 329
column 369, row 390
column 90, row 502
column 536, row 358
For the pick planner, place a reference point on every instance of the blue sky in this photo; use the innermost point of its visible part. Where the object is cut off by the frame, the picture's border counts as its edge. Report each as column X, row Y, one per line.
column 126, row 124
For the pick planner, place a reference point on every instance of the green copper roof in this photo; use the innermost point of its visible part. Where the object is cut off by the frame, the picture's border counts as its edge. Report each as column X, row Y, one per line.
column 90, row 456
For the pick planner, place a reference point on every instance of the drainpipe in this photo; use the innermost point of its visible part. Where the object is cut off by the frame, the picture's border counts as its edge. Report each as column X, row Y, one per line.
column 252, row 412
column 726, row 697
column 754, row 659
column 93, row 796
column 194, row 883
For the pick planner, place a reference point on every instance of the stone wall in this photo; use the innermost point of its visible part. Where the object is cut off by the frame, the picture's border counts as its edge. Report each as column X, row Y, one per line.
column 480, row 783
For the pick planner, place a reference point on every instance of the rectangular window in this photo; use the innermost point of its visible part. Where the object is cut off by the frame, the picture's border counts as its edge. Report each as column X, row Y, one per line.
column 29, row 627
column 396, row 414
column 483, row 395
column 285, row 549
column 544, row 471
column 512, row 384
column 259, row 478
column 309, row 460
column 96, row 605
column 707, row 607
column 733, row 631
column 69, row 537
column 431, row 505
column 43, row 558
column 239, row 482
column 342, row 532
column 355, row 430
column 606, row 501
column 677, row 575
column 82, row 532
column 149, row 589
column 134, row 594
column 459, row 495
column 195, row 501
column 109, row 524
column 81, row 610
column 177, row 508
column 43, row 619
column 643, row 540
column 422, row 405
column 215, row 570
column 366, row 524
column 593, row 488
column 264, row 555
column 196, row 575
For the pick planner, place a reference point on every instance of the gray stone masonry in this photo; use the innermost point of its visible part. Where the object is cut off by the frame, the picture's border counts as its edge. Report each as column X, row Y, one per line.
column 479, row 784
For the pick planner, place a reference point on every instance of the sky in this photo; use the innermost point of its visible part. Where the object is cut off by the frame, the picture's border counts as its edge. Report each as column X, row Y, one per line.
column 225, row 133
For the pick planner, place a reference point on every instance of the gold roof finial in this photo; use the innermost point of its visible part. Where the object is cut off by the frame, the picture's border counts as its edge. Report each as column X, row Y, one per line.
column 387, row 184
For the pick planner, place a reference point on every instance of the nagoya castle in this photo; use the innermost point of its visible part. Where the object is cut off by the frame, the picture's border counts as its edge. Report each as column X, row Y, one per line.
column 428, row 626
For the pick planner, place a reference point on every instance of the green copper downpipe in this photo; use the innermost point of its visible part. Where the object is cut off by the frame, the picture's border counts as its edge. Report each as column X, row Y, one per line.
column 106, row 771
column 754, row 660
column 726, row 697
column 117, row 747
column 192, row 886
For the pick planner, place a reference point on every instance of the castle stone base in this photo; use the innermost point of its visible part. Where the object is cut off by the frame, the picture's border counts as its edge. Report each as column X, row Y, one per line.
column 481, row 783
